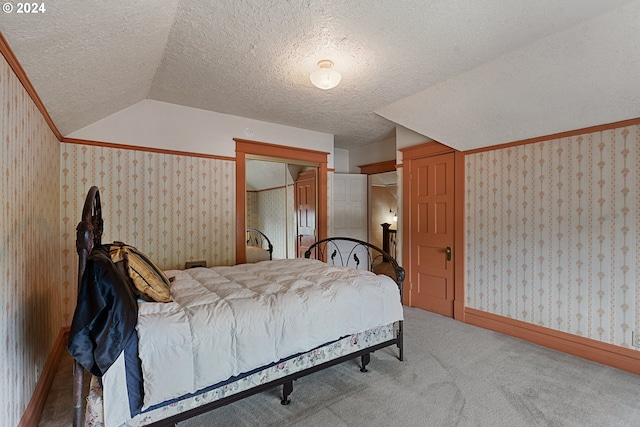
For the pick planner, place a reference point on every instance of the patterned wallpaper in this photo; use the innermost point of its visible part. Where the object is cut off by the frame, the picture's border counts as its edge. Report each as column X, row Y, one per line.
column 551, row 234
column 273, row 218
column 272, row 212
column 174, row 208
column 30, row 274
column 252, row 210
column 268, row 214
column 291, row 205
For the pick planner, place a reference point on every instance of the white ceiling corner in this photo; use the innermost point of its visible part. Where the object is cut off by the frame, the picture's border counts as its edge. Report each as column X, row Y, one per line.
column 572, row 79
column 90, row 59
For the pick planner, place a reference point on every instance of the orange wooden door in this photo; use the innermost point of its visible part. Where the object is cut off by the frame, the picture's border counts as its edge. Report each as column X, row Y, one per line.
column 431, row 233
column 305, row 203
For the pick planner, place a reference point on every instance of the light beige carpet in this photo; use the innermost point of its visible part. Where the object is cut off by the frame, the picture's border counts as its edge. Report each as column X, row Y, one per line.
column 454, row 375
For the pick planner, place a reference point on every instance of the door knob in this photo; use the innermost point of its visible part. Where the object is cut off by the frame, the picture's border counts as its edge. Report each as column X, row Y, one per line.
column 447, row 251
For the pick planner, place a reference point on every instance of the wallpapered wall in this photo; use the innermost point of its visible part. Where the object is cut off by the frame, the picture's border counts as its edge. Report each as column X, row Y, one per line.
column 173, row 208
column 551, row 233
column 30, row 274
column 267, row 211
column 253, row 221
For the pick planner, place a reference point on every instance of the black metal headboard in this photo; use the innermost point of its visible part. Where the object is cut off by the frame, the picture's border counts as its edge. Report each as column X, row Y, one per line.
column 354, row 253
column 90, row 228
column 88, row 235
column 258, row 239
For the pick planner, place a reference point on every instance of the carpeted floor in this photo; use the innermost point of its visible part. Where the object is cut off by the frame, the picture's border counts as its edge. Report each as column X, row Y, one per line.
column 453, row 375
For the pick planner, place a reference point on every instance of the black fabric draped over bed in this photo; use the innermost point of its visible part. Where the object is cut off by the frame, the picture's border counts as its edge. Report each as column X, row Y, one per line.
column 105, row 315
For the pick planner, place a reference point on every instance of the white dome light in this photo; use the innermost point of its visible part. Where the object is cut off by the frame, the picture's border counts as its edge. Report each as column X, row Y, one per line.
column 325, row 77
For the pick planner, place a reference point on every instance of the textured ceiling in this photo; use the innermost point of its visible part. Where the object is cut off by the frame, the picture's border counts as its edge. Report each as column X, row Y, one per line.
column 385, row 179
column 457, row 71
column 262, row 174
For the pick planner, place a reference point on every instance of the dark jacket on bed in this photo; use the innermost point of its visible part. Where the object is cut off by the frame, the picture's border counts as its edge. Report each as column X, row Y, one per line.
column 105, row 315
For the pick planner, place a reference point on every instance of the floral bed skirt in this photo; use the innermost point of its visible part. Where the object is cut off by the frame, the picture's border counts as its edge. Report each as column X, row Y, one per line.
column 342, row 347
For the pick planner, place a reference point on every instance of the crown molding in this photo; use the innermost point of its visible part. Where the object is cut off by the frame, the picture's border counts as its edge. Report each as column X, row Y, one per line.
column 13, row 62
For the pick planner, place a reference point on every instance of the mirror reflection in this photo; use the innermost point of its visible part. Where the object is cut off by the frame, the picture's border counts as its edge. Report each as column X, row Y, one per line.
column 277, row 210
column 384, row 210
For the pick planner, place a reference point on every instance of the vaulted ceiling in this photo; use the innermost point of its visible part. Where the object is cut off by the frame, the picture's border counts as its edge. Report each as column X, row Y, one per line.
column 466, row 73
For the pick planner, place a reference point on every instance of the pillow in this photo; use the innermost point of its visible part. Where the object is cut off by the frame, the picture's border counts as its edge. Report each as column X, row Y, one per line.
column 148, row 281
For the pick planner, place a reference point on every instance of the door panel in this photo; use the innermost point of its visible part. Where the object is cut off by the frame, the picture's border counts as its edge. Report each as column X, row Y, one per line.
column 431, row 258
column 432, row 286
column 431, row 219
column 350, row 206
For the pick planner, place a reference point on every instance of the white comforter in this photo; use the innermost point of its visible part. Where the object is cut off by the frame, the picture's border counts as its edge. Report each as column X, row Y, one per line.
column 225, row 321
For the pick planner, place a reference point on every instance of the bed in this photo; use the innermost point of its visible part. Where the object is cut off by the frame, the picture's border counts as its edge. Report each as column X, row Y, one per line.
column 259, row 247
column 304, row 315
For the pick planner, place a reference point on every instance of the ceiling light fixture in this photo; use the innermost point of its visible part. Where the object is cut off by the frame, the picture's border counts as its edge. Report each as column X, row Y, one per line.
column 325, row 77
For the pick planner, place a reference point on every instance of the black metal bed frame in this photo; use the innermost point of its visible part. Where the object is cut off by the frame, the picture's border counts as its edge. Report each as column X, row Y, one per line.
column 258, row 239
column 89, row 235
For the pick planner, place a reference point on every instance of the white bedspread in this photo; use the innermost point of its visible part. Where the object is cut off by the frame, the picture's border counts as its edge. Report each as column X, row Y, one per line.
column 225, row 321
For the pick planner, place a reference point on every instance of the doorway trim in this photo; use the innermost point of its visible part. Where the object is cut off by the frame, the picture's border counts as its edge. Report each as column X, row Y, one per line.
column 380, row 167
column 373, row 169
column 427, row 150
column 246, row 147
